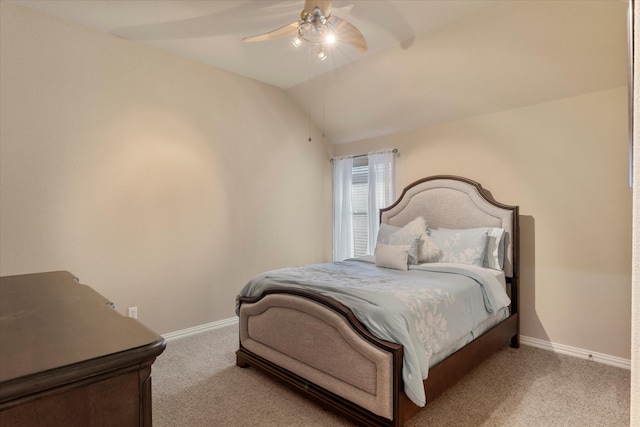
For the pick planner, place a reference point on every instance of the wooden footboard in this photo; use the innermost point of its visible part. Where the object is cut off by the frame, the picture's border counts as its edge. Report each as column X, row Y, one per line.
column 317, row 346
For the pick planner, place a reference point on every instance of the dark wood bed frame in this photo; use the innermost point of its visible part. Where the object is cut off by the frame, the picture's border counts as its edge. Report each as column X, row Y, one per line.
column 441, row 376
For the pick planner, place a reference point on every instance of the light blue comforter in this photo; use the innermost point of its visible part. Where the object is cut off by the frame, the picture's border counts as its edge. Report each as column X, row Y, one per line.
column 427, row 310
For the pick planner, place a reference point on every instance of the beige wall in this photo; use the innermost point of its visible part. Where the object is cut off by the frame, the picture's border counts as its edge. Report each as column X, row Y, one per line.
column 565, row 163
column 165, row 184
column 161, row 182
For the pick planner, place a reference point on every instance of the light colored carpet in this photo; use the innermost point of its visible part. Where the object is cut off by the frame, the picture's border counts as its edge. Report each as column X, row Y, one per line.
column 196, row 384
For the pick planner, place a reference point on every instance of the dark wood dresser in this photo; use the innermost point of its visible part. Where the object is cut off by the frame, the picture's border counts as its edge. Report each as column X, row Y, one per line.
column 67, row 358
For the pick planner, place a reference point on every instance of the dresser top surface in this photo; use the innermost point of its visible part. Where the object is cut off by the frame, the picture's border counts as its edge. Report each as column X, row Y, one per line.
column 49, row 321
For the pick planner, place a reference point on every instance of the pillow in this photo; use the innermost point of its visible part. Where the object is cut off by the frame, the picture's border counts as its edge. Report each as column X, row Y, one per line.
column 494, row 253
column 411, row 240
column 427, row 250
column 390, row 235
column 392, row 256
column 463, row 246
column 385, row 231
column 494, row 257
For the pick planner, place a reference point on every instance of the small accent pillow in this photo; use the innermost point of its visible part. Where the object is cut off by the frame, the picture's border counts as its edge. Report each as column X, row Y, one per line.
column 464, row 246
column 392, row 256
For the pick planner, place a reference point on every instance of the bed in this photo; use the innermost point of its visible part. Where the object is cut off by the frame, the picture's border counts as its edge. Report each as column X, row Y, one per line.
column 317, row 338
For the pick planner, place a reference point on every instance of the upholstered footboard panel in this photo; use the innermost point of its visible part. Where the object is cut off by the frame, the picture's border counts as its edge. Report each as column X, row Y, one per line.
column 329, row 353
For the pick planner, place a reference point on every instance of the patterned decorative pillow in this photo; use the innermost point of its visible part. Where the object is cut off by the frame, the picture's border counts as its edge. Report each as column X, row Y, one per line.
column 463, row 246
column 494, row 253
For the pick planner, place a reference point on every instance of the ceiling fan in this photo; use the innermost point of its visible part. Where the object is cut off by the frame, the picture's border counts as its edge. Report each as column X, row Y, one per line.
column 318, row 27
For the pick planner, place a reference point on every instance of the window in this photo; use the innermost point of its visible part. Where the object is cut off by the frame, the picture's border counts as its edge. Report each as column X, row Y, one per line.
column 362, row 186
column 359, row 205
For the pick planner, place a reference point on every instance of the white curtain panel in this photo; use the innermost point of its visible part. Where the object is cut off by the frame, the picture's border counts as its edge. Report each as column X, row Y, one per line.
column 342, row 219
column 381, row 190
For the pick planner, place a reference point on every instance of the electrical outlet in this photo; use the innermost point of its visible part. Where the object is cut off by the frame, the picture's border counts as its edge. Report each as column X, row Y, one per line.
column 133, row 312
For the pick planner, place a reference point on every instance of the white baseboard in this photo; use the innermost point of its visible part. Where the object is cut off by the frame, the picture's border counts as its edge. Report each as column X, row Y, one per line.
column 576, row 352
column 200, row 328
column 533, row 342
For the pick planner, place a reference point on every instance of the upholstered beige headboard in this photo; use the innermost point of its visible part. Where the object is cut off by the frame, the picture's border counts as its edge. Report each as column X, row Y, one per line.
column 456, row 202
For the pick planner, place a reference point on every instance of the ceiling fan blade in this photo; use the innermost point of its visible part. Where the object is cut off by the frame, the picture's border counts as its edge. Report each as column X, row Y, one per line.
column 280, row 32
column 394, row 22
column 323, row 5
column 347, row 33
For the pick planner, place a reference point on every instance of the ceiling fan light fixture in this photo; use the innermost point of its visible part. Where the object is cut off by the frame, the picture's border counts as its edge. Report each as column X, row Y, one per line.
column 297, row 42
column 330, row 38
column 317, row 27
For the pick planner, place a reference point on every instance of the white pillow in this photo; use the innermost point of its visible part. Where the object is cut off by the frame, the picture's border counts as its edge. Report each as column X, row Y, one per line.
column 428, row 251
column 392, row 256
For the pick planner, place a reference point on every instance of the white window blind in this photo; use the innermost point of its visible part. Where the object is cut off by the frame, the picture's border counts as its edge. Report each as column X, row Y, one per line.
column 359, row 204
column 362, row 185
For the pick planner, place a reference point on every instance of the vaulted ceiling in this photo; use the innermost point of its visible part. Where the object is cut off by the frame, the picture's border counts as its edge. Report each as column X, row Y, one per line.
column 428, row 61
